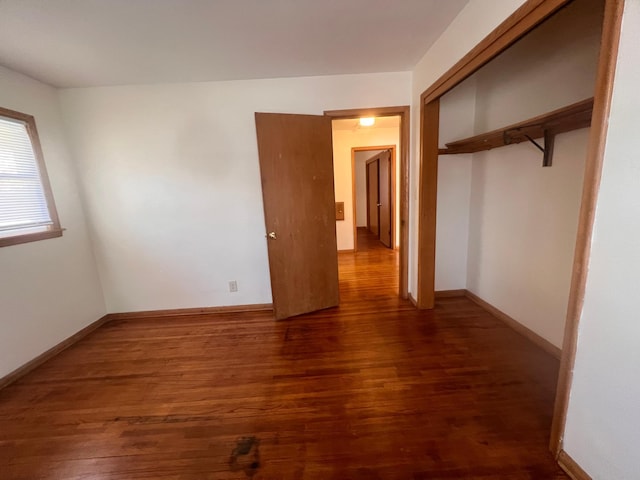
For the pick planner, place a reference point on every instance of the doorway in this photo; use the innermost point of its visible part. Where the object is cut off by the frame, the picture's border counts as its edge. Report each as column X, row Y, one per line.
column 365, row 177
column 350, row 166
column 374, row 194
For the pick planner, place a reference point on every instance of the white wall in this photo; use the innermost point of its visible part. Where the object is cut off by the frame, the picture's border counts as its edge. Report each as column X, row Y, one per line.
column 474, row 22
column 171, row 180
column 360, row 160
column 603, row 421
column 524, row 218
column 343, row 141
column 49, row 289
column 551, row 67
column 523, row 226
column 457, row 120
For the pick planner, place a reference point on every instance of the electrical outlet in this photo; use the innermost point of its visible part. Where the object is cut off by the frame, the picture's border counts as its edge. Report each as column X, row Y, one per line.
column 233, row 286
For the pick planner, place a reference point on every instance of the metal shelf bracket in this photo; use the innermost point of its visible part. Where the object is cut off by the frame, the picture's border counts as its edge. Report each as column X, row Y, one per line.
column 547, row 150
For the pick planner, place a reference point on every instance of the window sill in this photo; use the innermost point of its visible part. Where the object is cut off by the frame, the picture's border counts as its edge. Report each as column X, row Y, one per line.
column 30, row 237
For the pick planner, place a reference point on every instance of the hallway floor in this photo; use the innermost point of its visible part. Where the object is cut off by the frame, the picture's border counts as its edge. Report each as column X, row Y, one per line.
column 373, row 389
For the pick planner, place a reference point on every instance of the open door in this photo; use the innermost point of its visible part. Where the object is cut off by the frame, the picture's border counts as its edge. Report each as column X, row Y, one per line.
column 296, row 168
column 372, row 197
column 385, row 201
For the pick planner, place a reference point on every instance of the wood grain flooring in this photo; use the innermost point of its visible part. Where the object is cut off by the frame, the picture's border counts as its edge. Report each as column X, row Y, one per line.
column 373, row 389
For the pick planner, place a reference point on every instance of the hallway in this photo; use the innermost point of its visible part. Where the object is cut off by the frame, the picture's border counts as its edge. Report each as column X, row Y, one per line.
column 373, row 389
column 373, row 269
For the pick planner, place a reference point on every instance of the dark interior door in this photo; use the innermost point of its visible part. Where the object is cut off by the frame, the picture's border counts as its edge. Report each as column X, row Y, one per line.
column 385, row 200
column 372, row 197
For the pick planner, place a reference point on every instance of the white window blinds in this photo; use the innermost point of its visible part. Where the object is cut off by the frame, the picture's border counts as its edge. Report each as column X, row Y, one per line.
column 23, row 204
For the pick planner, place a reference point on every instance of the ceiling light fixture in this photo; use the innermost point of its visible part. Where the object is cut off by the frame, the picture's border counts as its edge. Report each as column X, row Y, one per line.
column 367, row 121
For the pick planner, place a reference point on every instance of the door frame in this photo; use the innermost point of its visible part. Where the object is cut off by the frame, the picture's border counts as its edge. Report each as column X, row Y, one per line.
column 394, row 179
column 404, row 113
column 522, row 21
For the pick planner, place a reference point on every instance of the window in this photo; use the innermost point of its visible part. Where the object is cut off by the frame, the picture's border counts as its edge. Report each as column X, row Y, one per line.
column 27, row 211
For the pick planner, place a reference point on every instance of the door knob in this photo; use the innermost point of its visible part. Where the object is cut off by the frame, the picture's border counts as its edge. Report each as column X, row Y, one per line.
column 379, row 204
column 272, row 235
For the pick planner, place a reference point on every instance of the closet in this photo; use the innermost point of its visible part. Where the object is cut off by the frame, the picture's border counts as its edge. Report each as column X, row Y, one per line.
column 513, row 137
column 529, row 214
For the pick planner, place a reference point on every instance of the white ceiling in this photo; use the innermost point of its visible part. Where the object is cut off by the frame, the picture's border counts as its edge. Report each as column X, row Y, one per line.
column 75, row 43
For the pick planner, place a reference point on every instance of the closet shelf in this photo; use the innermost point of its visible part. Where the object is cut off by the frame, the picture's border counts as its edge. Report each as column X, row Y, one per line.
column 571, row 117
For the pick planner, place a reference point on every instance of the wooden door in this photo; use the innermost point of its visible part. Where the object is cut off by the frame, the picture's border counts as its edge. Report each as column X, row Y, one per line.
column 296, row 168
column 385, row 199
column 372, row 197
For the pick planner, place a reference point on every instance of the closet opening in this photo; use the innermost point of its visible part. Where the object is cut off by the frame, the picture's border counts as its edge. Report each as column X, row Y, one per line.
column 520, row 218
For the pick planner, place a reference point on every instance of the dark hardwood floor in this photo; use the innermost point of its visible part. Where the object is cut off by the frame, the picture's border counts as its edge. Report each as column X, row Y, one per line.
column 370, row 390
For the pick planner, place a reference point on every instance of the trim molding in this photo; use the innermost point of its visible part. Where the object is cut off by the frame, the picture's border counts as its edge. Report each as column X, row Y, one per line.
column 347, row 250
column 52, row 352
column 514, row 324
column 183, row 312
column 570, row 466
column 427, row 203
column 76, row 337
column 412, row 300
column 451, row 293
column 591, row 185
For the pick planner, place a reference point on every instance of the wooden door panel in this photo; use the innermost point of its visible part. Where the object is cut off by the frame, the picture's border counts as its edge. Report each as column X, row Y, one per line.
column 296, row 168
column 385, row 200
column 372, row 197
